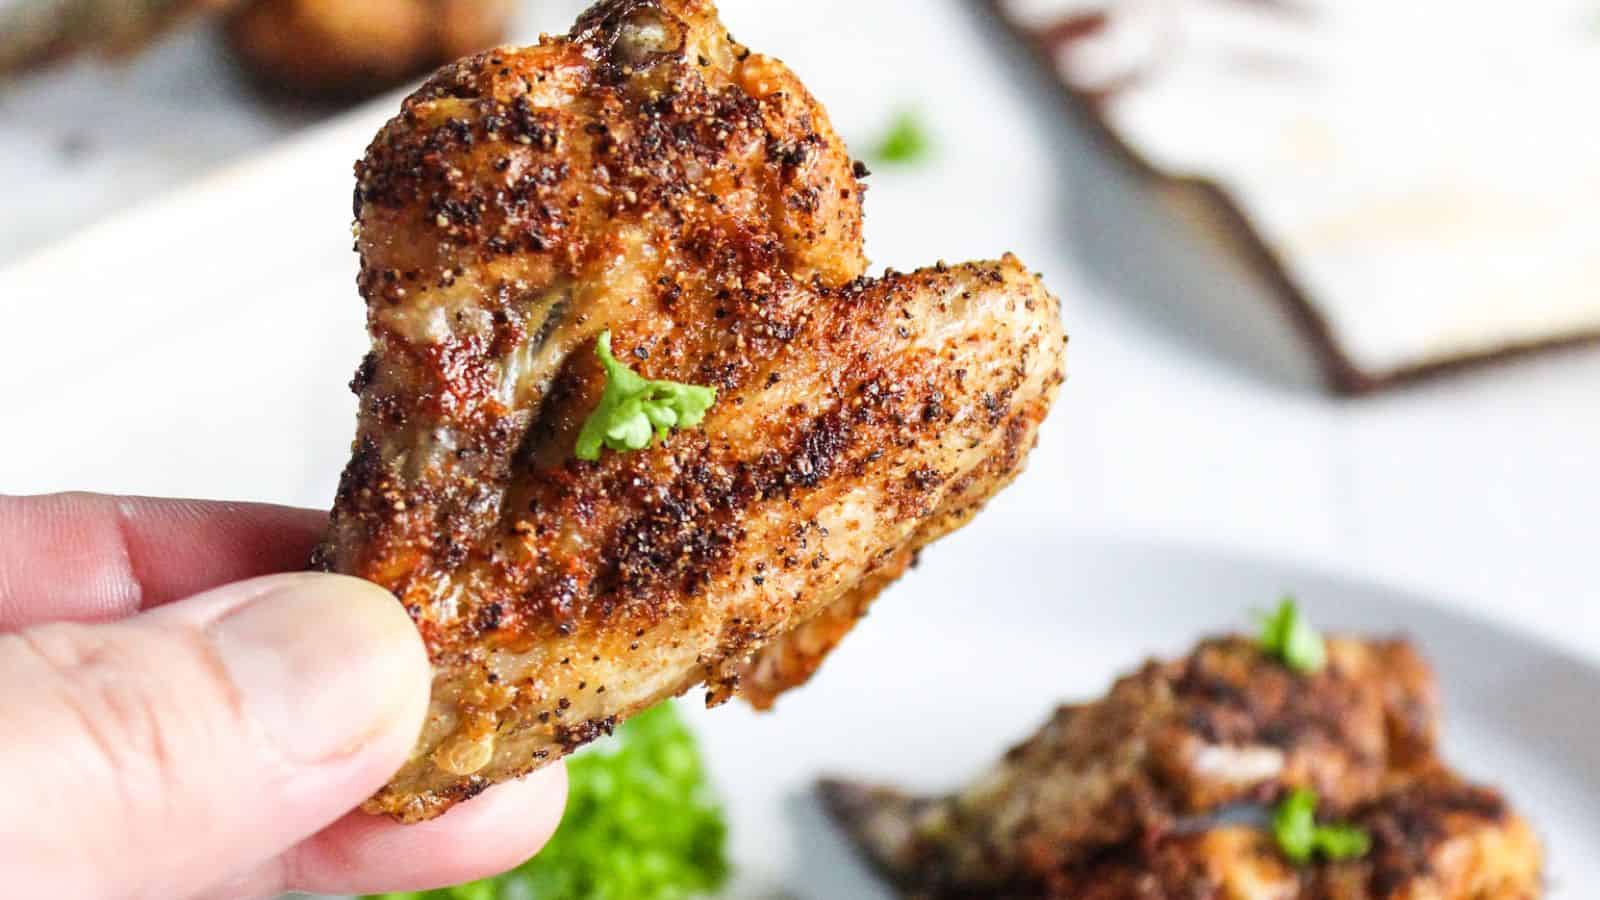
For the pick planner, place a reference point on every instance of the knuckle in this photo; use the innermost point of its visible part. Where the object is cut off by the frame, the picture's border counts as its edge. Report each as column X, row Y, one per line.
column 118, row 692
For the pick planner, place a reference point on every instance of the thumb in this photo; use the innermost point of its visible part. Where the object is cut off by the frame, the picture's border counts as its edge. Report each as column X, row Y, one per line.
column 157, row 756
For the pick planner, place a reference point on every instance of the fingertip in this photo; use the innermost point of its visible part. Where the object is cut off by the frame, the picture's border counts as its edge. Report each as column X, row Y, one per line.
column 494, row 832
column 295, row 694
column 325, row 664
column 404, row 658
column 392, row 627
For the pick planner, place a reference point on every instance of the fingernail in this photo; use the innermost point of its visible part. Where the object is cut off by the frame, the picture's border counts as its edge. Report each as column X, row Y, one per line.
column 325, row 664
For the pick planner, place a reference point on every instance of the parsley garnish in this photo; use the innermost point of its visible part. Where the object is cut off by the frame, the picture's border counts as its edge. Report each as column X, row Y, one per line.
column 1289, row 637
column 906, row 142
column 635, row 409
column 1299, row 837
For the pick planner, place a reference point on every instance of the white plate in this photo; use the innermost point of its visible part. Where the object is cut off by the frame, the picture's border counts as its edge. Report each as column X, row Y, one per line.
column 973, row 649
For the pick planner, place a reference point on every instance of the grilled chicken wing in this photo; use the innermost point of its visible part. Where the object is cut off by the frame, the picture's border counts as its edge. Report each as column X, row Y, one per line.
column 648, row 176
column 1434, row 837
column 1160, row 791
column 1224, row 725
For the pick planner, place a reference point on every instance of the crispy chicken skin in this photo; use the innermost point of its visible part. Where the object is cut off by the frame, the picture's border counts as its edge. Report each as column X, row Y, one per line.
column 1139, row 796
column 1225, row 724
column 1434, row 838
column 649, row 176
column 1160, row 791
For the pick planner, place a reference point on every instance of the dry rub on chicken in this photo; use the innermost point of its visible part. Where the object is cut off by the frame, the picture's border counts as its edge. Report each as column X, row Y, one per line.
column 1161, row 791
column 649, row 177
column 1434, row 837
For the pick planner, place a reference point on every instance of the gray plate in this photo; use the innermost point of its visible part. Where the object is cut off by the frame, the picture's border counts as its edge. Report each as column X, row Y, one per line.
column 972, row 650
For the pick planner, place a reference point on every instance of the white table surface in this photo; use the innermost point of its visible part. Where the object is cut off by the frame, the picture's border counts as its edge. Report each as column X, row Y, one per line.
column 199, row 344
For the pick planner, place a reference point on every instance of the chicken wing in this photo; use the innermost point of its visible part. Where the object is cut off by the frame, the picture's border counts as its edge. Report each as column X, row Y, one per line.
column 1225, row 725
column 648, row 176
column 1434, row 837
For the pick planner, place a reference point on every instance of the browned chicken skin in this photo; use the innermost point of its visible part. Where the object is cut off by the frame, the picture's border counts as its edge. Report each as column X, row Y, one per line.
column 1434, row 837
column 1136, row 796
column 649, row 176
column 1225, row 724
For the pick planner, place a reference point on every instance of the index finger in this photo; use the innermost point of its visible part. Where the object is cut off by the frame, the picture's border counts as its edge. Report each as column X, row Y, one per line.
column 93, row 557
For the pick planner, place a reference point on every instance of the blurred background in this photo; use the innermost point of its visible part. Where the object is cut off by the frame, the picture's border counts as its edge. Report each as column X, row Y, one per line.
column 1317, row 258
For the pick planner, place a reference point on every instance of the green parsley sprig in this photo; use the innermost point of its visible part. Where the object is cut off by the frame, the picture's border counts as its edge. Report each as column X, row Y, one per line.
column 1299, row 837
column 906, row 142
column 1286, row 635
column 634, row 409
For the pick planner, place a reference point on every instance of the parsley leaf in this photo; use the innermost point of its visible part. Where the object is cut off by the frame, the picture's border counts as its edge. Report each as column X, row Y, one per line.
column 1342, row 842
column 635, row 409
column 1286, row 635
column 906, row 142
column 1294, row 825
column 1299, row 837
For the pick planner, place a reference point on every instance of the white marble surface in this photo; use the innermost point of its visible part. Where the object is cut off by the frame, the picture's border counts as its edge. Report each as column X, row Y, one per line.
column 200, row 344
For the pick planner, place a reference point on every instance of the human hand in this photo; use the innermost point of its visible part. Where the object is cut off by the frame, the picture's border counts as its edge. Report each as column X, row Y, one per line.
column 172, row 731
